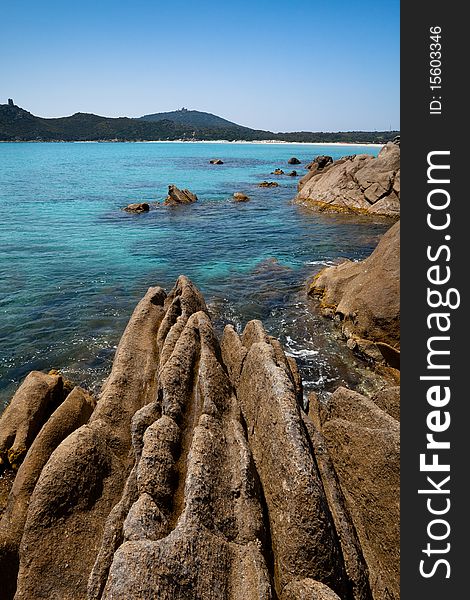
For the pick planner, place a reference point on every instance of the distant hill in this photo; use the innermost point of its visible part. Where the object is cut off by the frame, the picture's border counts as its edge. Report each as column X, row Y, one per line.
column 17, row 124
column 193, row 118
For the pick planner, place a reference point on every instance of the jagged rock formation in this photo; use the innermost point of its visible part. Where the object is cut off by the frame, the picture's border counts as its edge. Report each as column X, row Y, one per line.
column 177, row 196
column 365, row 298
column 317, row 166
column 196, row 476
column 358, row 184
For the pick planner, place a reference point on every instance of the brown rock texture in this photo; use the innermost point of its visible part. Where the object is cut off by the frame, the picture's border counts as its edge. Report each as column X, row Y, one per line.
column 360, row 184
column 363, row 443
column 29, row 409
column 138, row 207
column 74, row 411
column 365, row 297
column 196, row 476
column 240, row 197
column 177, row 196
column 268, row 184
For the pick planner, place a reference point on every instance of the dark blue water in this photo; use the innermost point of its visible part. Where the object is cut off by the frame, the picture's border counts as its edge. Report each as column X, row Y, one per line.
column 73, row 264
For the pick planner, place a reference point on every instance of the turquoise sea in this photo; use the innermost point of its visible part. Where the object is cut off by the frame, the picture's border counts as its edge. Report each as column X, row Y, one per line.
column 73, row 264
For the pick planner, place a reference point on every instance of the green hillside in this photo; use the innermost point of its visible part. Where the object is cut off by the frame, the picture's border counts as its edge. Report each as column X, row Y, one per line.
column 17, row 124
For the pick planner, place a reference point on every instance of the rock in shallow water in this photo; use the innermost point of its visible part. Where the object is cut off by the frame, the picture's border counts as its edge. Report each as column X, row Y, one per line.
column 139, row 207
column 177, row 196
column 240, row 197
column 268, row 184
column 195, row 477
column 354, row 184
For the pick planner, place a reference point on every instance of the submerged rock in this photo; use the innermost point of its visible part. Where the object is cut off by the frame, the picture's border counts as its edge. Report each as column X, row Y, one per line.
column 354, row 184
column 216, row 161
column 277, row 172
column 268, row 184
column 240, row 197
column 293, row 161
column 139, row 207
column 177, row 196
column 196, row 477
column 365, row 298
column 292, row 174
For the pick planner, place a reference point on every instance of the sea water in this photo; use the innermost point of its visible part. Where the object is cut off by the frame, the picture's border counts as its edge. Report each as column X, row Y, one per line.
column 73, row 264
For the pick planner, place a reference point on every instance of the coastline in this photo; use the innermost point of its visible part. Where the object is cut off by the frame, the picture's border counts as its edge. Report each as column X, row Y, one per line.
column 257, row 142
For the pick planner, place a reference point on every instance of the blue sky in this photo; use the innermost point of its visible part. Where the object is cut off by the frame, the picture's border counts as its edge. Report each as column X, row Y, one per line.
column 283, row 66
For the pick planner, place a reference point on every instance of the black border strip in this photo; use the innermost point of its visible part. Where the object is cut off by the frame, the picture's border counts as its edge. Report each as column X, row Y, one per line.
column 422, row 132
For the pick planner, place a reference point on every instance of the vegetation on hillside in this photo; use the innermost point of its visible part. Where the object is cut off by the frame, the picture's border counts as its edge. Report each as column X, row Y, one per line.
column 17, row 124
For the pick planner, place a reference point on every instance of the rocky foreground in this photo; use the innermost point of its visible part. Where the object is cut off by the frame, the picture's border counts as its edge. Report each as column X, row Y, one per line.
column 197, row 475
column 358, row 184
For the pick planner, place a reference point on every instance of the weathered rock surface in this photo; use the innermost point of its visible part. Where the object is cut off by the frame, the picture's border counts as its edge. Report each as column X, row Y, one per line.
column 365, row 297
column 74, row 411
column 363, row 442
column 138, row 207
column 196, row 476
column 29, row 409
column 318, row 165
column 240, row 197
column 177, row 196
column 308, row 589
column 355, row 184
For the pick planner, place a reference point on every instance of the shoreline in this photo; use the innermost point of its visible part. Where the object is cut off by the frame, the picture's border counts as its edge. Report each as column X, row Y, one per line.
column 271, row 142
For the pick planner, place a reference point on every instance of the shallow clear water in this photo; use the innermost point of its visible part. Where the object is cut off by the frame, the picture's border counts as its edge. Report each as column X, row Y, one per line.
column 73, row 264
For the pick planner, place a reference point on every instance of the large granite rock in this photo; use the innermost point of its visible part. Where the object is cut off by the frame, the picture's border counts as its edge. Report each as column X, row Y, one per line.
column 365, row 298
column 360, row 184
column 304, row 540
column 197, row 476
column 363, row 444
